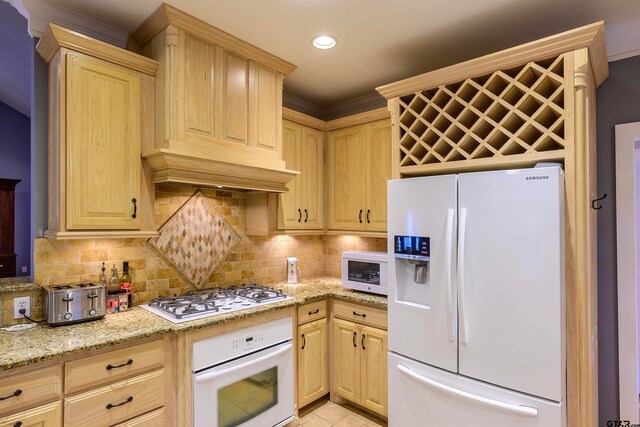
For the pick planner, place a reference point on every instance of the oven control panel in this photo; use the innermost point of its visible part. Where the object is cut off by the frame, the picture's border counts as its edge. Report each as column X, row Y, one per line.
column 233, row 344
column 247, row 342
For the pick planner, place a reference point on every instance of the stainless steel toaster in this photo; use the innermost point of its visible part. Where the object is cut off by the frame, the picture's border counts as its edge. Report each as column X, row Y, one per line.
column 80, row 302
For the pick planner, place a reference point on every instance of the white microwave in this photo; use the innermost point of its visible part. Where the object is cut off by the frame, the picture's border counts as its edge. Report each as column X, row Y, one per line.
column 365, row 271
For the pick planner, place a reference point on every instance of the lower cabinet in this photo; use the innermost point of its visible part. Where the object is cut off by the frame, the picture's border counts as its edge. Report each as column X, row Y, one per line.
column 313, row 361
column 359, row 364
column 313, row 352
column 43, row 416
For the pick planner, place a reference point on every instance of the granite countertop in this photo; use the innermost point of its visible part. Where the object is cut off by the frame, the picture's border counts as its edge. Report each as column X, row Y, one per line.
column 17, row 284
column 45, row 342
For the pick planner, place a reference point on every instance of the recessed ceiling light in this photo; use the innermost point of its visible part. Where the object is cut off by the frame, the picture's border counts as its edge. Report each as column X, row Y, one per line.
column 324, row 41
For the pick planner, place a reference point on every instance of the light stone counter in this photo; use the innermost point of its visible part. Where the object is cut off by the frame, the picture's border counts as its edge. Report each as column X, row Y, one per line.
column 45, row 342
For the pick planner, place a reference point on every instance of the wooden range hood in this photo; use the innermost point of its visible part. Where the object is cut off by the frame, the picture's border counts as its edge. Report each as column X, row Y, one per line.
column 217, row 106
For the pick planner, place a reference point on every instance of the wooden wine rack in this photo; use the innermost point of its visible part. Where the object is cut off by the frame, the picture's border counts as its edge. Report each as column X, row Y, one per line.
column 515, row 113
column 531, row 103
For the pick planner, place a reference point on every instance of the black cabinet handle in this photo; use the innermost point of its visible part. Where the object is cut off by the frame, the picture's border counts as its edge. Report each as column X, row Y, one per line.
column 299, row 215
column 354, row 339
column 17, row 424
column 316, row 311
column 368, row 212
column 129, row 400
column 135, row 208
column 358, row 314
column 18, row 392
column 360, row 216
column 304, row 342
column 128, row 362
column 362, row 342
column 306, row 215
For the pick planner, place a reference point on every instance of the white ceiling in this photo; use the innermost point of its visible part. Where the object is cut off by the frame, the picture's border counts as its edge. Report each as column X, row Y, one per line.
column 379, row 41
column 16, row 49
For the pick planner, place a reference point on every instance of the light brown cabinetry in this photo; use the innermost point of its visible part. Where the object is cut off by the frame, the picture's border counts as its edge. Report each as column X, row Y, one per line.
column 302, row 207
column 359, row 358
column 359, row 165
column 30, row 388
column 99, row 95
column 115, row 386
column 218, row 106
column 313, row 353
column 49, row 415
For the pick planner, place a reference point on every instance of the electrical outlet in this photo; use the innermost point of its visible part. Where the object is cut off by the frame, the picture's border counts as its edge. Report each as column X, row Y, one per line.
column 24, row 268
column 21, row 303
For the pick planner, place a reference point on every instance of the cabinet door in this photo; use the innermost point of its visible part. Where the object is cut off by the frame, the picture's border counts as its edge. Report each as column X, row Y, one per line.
column 234, row 107
column 378, row 165
column 313, row 363
column 373, row 370
column 346, row 360
column 346, row 179
column 268, row 88
column 312, row 171
column 199, row 94
column 103, row 145
column 43, row 416
column 289, row 210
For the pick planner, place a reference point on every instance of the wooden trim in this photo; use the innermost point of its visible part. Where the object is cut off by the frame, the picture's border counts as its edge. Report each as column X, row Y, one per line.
column 56, row 37
column 100, row 234
column 357, row 119
column 303, row 119
column 168, row 15
column 590, row 36
column 380, row 234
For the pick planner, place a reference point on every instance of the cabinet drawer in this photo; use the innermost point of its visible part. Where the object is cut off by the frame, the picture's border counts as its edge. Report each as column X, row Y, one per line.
column 43, row 416
column 117, row 402
column 312, row 311
column 360, row 314
column 152, row 419
column 112, row 366
column 30, row 388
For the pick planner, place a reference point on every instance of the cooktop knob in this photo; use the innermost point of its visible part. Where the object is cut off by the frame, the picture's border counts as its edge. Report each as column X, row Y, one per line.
column 92, row 312
column 67, row 316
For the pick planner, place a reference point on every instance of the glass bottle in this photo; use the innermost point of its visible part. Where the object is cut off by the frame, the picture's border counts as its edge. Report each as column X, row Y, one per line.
column 102, row 280
column 112, row 292
column 125, row 282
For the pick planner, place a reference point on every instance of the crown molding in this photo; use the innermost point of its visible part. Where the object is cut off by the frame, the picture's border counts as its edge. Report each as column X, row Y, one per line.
column 40, row 13
column 623, row 39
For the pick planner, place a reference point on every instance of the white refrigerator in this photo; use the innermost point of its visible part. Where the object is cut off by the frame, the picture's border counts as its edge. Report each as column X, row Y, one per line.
column 476, row 299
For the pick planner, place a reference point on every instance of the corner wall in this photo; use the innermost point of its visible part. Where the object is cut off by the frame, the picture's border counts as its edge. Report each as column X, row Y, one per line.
column 618, row 101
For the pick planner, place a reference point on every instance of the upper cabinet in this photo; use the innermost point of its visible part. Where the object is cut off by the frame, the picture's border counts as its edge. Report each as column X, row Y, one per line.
column 218, row 106
column 359, row 165
column 302, row 207
column 98, row 97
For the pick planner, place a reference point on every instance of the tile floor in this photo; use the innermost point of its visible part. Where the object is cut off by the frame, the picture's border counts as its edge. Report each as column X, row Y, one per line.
column 325, row 413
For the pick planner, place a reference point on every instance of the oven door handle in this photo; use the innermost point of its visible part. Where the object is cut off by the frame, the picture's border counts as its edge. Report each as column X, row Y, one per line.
column 213, row 375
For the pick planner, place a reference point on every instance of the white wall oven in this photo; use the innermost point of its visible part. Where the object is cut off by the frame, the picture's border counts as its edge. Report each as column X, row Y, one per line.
column 245, row 378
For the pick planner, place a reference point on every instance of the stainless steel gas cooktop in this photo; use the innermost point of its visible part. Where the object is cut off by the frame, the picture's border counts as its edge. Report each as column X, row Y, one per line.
column 209, row 302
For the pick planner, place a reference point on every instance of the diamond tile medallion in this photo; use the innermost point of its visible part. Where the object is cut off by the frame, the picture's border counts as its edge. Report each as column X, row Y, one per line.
column 195, row 240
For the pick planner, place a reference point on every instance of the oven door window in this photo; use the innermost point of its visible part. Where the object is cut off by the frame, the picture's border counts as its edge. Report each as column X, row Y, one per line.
column 364, row 272
column 247, row 398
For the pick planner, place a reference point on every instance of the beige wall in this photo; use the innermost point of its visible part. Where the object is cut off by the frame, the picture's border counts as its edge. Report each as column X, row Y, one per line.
column 255, row 260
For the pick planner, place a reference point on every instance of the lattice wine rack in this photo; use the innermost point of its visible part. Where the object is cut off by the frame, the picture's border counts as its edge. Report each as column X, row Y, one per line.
column 506, row 114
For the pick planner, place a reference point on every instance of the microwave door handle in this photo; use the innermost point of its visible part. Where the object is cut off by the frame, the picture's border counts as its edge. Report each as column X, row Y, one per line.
column 213, row 375
column 509, row 407
column 449, row 261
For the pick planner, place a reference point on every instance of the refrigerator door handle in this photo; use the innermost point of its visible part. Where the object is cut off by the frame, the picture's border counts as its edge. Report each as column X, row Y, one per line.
column 509, row 407
column 464, row 333
column 450, row 301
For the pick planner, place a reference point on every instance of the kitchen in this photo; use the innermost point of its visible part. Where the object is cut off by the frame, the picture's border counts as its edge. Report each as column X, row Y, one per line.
column 261, row 229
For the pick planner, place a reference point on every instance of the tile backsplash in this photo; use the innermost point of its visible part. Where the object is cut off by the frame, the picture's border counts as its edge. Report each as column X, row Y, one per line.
column 256, row 259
